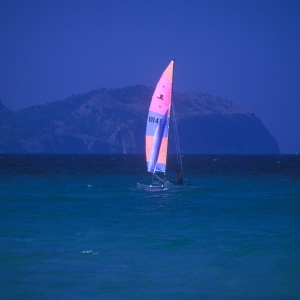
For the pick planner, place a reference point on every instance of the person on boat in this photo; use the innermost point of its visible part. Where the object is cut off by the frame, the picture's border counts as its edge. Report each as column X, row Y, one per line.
column 180, row 179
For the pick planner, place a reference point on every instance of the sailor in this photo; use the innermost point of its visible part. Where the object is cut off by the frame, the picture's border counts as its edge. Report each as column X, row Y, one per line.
column 180, row 180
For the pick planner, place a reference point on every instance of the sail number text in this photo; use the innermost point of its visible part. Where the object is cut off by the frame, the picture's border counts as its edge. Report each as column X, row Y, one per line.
column 154, row 120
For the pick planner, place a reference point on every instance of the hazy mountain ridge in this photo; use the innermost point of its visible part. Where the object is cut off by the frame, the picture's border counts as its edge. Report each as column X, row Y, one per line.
column 114, row 121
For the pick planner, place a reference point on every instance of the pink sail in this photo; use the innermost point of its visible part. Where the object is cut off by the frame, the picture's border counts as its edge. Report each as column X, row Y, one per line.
column 158, row 123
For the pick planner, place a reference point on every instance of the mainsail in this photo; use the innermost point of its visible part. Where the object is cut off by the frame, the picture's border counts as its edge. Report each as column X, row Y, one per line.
column 158, row 123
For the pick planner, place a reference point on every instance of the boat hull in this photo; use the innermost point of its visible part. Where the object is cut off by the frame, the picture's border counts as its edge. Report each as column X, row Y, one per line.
column 164, row 187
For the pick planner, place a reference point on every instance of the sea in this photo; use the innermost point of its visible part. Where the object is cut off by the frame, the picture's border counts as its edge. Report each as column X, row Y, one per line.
column 77, row 227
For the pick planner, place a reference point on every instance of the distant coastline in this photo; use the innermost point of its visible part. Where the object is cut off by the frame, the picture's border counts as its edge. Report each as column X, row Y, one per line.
column 113, row 121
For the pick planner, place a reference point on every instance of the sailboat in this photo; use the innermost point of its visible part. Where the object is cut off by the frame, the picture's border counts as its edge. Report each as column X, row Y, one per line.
column 160, row 113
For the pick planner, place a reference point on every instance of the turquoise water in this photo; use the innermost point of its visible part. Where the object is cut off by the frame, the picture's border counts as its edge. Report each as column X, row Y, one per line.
column 76, row 227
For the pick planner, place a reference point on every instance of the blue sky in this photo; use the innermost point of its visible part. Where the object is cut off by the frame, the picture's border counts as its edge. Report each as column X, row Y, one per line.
column 244, row 51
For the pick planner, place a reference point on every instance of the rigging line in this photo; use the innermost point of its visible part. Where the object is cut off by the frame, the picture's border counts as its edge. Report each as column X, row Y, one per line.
column 176, row 138
column 178, row 153
column 176, row 135
column 162, row 180
column 154, row 173
column 146, row 179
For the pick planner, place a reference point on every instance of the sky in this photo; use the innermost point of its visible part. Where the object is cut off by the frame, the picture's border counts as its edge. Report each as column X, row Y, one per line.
column 245, row 51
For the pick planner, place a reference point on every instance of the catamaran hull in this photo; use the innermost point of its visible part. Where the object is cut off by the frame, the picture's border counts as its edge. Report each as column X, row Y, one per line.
column 164, row 187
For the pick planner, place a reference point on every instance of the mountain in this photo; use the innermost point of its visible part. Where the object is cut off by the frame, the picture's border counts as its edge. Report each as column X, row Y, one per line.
column 4, row 112
column 114, row 121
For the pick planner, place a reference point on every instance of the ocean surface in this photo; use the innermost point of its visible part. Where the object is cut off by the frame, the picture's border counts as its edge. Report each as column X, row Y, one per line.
column 76, row 227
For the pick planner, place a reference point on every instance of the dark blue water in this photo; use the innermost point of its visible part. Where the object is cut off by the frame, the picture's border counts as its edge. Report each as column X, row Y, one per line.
column 76, row 227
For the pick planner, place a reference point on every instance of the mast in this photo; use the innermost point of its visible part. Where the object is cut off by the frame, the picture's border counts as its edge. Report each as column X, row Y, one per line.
column 170, row 110
column 172, row 115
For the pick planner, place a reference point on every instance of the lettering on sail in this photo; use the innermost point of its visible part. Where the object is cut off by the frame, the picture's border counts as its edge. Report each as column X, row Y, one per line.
column 154, row 120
